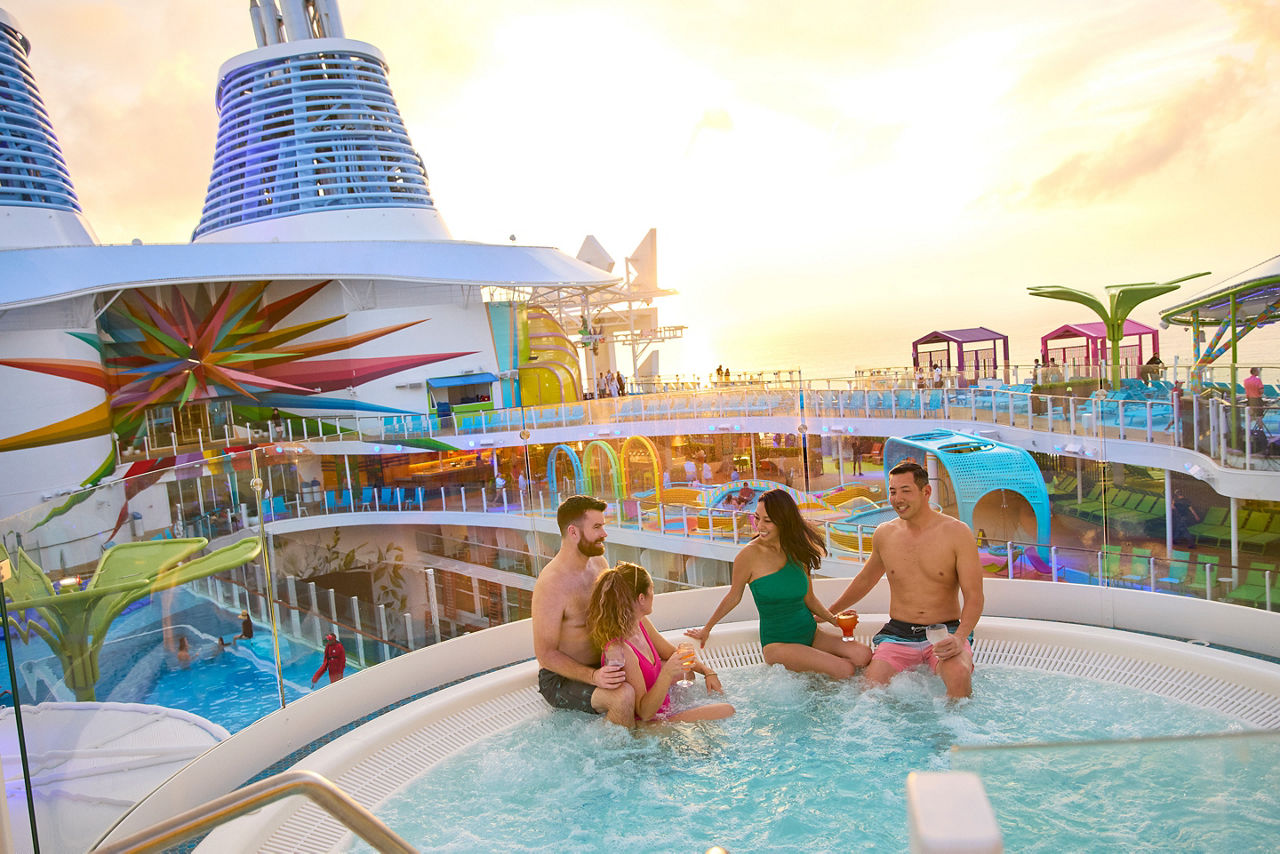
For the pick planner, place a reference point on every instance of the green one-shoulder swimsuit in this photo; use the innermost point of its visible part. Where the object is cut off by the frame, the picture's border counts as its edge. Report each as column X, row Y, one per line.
column 780, row 602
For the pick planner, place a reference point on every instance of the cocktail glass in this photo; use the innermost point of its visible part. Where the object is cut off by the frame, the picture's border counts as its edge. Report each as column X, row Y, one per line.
column 848, row 621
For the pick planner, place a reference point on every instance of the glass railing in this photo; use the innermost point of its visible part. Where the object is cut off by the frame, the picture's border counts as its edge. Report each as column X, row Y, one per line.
column 1212, row 426
column 173, row 645
column 1189, row 793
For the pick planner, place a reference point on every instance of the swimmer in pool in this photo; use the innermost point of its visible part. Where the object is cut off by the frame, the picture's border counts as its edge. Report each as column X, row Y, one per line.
column 776, row 566
column 246, row 628
column 618, row 623
column 932, row 564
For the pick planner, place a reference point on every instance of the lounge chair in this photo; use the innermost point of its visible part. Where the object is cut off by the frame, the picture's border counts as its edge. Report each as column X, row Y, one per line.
column 1179, row 568
column 1255, row 533
column 1092, row 500
column 1140, row 569
column 1212, row 528
column 1252, row 589
column 1109, row 569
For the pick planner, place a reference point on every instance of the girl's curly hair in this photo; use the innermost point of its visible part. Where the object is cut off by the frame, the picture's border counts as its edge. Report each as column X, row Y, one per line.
column 611, row 613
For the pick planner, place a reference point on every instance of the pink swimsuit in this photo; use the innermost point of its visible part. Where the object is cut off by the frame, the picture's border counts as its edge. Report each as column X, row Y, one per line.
column 649, row 667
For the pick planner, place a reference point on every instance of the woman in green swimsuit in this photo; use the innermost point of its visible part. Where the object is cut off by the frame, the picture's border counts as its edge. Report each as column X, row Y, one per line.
column 776, row 566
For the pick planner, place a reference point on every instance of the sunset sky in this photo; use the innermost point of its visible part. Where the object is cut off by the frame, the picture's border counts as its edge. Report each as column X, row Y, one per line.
column 829, row 180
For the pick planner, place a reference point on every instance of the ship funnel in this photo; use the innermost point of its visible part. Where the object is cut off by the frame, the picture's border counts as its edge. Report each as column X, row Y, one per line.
column 38, row 205
column 311, row 145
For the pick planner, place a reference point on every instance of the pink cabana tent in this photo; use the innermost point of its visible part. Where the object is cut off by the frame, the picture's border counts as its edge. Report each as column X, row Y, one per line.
column 1086, row 345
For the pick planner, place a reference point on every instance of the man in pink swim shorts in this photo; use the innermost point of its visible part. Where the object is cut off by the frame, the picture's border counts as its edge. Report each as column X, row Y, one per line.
column 932, row 564
column 904, row 645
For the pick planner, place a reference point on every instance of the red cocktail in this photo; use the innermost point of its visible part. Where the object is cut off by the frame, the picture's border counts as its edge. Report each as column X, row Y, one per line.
column 848, row 621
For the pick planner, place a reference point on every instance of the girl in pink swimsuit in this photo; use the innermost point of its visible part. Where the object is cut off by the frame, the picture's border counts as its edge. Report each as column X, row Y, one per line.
column 618, row 622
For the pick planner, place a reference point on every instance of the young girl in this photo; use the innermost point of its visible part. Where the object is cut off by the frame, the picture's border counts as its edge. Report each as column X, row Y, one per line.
column 618, row 623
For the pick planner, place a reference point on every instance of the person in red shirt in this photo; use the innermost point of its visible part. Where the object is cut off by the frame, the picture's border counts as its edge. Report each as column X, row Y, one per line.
column 335, row 660
column 1253, row 393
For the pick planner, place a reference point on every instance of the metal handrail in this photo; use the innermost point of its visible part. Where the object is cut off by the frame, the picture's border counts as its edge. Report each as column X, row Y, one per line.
column 323, row 792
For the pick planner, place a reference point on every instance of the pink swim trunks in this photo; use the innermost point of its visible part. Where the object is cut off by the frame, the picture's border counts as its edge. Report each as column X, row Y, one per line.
column 901, row 654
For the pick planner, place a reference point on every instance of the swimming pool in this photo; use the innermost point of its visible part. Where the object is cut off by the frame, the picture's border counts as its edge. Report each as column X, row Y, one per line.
column 232, row 687
column 805, row 765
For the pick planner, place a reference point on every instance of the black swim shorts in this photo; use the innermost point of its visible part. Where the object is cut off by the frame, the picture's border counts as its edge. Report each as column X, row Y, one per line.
column 565, row 693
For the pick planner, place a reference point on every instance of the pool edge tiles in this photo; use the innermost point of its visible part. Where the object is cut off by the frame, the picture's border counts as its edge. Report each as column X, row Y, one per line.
column 382, row 757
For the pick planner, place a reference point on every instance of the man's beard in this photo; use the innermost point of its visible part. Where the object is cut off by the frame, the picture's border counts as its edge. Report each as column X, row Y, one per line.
column 595, row 549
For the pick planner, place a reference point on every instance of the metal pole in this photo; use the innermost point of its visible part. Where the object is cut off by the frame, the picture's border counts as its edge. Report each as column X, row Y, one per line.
column 291, row 584
column 351, row 493
column 17, row 711
column 256, row 484
column 432, row 604
column 1235, row 541
column 359, row 637
column 383, row 632
column 408, row 631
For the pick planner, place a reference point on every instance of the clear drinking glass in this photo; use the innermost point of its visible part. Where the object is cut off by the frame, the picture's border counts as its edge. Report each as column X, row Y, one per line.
column 687, row 656
column 613, row 657
column 936, row 632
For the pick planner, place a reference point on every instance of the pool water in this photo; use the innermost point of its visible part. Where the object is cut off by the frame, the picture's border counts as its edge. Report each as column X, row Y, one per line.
column 805, row 765
column 232, row 688
column 235, row 688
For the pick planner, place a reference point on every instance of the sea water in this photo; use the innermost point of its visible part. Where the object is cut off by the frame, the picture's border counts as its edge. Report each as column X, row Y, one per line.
column 805, row 765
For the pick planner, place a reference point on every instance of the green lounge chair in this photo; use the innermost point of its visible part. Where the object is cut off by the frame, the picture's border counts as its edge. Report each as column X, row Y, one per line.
column 1210, row 530
column 1139, row 567
column 1179, row 568
column 1252, row 589
column 1205, row 568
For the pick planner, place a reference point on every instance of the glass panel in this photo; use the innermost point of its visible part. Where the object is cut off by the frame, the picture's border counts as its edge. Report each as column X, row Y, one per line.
column 130, row 653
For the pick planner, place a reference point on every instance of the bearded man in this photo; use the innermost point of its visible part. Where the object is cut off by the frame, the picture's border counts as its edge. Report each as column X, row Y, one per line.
column 571, row 676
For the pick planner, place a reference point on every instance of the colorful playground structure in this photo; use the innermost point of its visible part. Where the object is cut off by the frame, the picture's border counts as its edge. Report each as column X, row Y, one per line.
column 995, row 488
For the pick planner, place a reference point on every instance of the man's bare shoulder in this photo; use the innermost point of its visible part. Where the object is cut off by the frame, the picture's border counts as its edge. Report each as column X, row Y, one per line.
column 563, row 574
column 954, row 528
column 887, row 530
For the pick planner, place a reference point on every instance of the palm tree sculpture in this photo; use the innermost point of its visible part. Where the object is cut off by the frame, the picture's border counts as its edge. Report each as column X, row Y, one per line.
column 75, row 625
column 1123, row 298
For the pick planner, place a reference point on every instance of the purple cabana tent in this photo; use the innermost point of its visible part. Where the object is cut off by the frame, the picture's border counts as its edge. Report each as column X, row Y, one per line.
column 972, row 361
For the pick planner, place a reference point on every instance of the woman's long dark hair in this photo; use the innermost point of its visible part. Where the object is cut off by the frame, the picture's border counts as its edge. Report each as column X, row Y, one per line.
column 800, row 542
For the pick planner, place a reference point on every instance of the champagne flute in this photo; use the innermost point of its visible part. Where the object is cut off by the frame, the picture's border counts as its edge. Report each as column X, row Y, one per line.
column 687, row 655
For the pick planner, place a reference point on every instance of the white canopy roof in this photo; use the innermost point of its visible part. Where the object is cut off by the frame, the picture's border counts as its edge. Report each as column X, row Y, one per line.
column 33, row 276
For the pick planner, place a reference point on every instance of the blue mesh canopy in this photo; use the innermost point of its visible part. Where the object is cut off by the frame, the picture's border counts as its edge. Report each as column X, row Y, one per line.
column 976, row 467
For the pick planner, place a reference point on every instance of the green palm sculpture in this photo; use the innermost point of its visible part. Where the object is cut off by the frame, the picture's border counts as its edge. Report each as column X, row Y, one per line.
column 76, row 624
column 1123, row 300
